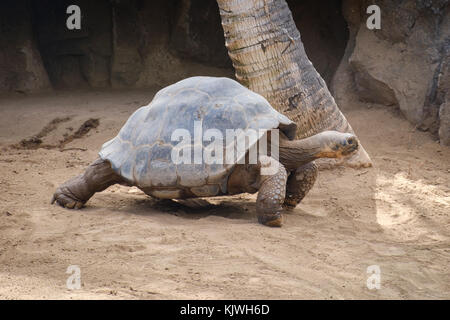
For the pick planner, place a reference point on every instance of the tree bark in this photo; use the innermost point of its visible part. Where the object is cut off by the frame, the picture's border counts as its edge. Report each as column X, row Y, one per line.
column 269, row 58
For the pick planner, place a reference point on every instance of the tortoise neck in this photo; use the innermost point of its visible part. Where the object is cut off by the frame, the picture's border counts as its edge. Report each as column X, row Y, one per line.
column 296, row 153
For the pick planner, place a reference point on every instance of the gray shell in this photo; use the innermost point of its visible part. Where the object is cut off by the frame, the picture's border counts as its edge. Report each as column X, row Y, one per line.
column 141, row 152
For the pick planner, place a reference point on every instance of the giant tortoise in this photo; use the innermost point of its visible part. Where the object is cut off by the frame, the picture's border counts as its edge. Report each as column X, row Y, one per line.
column 142, row 154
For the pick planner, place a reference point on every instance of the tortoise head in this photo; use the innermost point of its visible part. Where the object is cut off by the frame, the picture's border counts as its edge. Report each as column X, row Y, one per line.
column 336, row 144
column 326, row 144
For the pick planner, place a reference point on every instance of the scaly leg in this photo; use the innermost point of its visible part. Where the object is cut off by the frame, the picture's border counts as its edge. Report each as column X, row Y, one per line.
column 299, row 183
column 74, row 193
column 271, row 193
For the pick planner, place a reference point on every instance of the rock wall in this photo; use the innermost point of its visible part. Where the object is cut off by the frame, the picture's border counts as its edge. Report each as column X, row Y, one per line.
column 404, row 64
column 74, row 58
column 21, row 68
column 191, row 37
column 121, row 44
column 442, row 99
column 160, row 42
column 137, row 43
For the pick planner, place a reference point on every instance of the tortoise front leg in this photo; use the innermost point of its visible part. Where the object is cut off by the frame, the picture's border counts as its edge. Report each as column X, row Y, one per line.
column 271, row 193
column 74, row 193
column 299, row 183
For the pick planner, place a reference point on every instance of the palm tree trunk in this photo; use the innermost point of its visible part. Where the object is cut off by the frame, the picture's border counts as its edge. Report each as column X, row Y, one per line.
column 269, row 58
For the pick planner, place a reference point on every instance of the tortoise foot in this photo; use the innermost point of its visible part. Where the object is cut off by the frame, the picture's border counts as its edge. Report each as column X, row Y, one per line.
column 66, row 199
column 275, row 220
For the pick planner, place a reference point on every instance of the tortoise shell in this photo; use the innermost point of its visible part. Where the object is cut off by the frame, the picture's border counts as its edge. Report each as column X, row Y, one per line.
column 141, row 152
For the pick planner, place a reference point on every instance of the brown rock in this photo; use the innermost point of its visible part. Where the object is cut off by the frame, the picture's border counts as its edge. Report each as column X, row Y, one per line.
column 401, row 63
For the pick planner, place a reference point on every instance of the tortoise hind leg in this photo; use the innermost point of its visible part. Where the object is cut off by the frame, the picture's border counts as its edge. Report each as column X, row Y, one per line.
column 299, row 183
column 74, row 193
column 271, row 193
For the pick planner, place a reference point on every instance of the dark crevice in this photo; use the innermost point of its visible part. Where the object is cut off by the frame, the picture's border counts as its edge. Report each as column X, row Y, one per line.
column 324, row 33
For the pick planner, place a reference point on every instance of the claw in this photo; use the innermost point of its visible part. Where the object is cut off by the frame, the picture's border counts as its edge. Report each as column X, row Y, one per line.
column 274, row 223
column 70, row 205
column 78, row 205
column 275, row 220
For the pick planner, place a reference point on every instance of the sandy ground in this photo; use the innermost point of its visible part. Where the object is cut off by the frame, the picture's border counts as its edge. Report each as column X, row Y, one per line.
column 127, row 245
